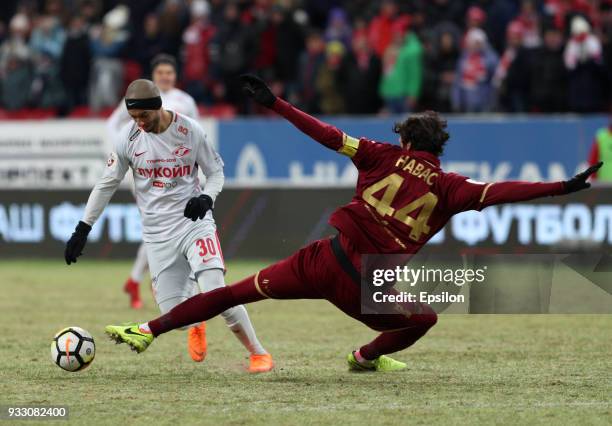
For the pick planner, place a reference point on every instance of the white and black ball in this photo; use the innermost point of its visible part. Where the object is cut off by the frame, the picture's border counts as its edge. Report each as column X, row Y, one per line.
column 73, row 349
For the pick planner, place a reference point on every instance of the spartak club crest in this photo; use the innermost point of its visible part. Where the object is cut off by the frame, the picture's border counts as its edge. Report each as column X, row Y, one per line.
column 181, row 151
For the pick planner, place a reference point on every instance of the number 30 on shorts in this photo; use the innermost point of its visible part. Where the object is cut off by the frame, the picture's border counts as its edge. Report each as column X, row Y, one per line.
column 207, row 247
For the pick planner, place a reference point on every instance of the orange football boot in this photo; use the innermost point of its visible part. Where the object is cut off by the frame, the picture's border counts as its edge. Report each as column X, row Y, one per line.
column 196, row 342
column 132, row 288
column 261, row 363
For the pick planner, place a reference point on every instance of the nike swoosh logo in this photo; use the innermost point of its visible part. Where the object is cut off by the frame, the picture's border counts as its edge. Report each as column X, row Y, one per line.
column 68, row 340
column 129, row 331
column 138, row 154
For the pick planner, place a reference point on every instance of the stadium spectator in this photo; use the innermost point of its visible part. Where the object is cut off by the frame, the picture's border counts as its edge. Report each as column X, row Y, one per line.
column 499, row 15
column 75, row 63
column 563, row 11
column 234, row 49
column 107, row 42
column 361, row 73
column 475, row 17
column 46, row 43
column 265, row 31
column 328, row 79
column 16, row 64
column 47, row 37
column 318, row 11
column 217, row 10
column 548, row 76
column 381, row 27
column 173, row 18
column 472, row 89
column 583, row 59
column 440, row 67
column 530, row 24
column 289, row 45
column 55, row 9
column 148, row 44
column 360, row 29
column 338, row 27
column 196, row 52
column 401, row 83
column 91, row 11
column 448, row 11
column 511, row 77
column 310, row 63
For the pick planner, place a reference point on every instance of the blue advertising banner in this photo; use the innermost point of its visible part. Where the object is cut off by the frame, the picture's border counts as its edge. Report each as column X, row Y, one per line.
column 272, row 152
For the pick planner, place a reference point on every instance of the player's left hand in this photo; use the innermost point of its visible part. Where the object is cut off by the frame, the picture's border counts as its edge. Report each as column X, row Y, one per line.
column 579, row 181
column 197, row 207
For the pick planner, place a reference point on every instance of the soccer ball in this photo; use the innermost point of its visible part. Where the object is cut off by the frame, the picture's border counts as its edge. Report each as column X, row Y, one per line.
column 73, row 349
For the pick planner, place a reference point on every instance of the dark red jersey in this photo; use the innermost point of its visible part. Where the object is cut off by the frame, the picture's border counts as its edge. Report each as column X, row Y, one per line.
column 403, row 197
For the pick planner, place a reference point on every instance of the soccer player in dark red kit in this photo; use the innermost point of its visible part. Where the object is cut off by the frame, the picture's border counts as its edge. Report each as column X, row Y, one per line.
column 402, row 199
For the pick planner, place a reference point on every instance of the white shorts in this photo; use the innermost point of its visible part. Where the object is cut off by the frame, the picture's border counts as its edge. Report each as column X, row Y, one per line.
column 174, row 263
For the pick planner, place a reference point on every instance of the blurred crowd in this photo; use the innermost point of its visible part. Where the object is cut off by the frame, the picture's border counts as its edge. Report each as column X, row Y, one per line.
column 328, row 57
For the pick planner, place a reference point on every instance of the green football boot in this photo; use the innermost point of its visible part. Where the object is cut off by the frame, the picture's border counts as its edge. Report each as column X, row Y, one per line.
column 382, row 363
column 130, row 334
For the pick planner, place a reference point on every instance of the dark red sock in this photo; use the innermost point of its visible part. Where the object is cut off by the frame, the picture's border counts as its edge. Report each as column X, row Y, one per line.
column 394, row 341
column 205, row 306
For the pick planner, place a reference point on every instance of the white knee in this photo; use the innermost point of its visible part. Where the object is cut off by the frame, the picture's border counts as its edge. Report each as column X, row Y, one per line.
column 210, row 279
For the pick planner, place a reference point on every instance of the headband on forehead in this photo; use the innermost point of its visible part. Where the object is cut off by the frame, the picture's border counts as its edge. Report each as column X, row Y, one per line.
column 146, row 103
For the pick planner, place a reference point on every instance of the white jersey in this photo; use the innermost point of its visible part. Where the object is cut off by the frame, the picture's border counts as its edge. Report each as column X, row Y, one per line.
column 173, row 100
column 165, row 171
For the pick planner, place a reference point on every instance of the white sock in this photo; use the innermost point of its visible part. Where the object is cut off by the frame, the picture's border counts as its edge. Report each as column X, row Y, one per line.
column 144, row 328
column 237, row 319
column 140, row 264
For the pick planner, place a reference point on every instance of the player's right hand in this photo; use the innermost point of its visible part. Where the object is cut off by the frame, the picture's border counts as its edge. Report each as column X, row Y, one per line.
column 579, row 181
column 254, row 87
column 76, row 243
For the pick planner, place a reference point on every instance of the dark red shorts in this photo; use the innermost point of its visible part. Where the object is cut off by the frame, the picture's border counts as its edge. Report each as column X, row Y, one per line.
column 314, row 273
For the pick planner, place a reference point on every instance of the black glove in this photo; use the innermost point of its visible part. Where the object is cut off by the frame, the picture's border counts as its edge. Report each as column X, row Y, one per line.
column 579, row 181
column 197, row 207
column 254, row 87
column 76, row 243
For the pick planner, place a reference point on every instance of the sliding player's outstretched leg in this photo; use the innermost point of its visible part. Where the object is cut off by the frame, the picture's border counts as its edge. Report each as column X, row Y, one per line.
column 372, row 356
column 201, row 307
column 277, row 281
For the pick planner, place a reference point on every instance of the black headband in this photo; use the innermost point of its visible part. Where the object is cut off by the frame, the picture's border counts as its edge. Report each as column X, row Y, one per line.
column 146, row 103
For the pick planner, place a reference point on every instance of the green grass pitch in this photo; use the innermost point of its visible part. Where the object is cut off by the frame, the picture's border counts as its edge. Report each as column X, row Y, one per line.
column 521, row 369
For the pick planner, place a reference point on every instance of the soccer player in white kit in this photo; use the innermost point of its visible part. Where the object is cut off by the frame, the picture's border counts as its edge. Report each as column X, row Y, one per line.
column 164, row 150
column 163, row 72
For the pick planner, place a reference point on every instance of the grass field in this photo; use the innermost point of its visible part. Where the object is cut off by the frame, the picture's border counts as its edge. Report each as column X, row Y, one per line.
column 546, row 369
